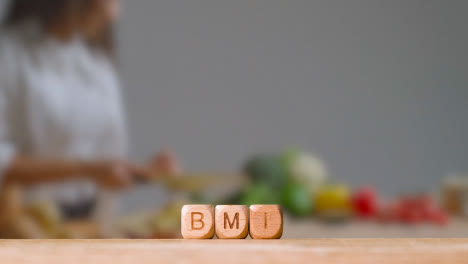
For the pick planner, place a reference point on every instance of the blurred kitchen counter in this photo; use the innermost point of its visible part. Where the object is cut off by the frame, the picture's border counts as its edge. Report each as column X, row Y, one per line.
column 311, row 228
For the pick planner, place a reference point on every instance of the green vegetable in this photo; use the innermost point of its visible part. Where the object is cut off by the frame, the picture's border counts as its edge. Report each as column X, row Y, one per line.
column 297, row 199
column 259, row 194
column 289, row 156
column 267, row 169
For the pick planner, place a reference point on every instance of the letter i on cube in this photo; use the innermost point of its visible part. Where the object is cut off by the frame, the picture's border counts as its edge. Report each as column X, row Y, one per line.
column 232, row 221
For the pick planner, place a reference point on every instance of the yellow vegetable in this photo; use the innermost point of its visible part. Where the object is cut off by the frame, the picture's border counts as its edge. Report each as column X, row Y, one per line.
column 334, row 201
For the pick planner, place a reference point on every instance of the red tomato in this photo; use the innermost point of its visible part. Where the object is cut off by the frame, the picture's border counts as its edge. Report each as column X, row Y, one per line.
column 365, row 202
column 440, row 217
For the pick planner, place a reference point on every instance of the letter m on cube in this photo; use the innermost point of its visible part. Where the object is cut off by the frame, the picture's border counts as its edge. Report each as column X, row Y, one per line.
column 232, row 221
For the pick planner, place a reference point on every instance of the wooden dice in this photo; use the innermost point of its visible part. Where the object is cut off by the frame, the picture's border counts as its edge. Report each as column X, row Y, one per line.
column 232, row 221
column 198, row 221
column 266, row 221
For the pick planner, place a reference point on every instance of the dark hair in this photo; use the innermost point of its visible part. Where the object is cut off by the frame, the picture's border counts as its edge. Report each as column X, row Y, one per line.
column 50, row 12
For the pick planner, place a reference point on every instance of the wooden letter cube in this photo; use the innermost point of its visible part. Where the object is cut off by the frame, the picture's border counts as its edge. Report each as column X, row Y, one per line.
column 266, row 221
column 198, row 221
column 232, row 221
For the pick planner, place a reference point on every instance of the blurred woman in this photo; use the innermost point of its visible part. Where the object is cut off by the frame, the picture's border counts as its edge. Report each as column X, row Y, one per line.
column 62, row 128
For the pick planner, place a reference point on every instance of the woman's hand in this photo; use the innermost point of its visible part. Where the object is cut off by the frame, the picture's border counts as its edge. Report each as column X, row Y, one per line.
column 115, row 174
column 112, row 174
column 164, row 164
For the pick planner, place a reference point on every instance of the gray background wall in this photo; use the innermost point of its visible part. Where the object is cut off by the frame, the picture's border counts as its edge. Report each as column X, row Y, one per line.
column 377, row 88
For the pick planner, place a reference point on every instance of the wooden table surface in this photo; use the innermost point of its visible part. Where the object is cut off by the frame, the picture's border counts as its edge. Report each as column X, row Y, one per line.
column 318, row 251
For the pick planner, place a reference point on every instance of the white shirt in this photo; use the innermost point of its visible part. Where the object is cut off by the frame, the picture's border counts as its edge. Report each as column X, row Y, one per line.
column 57, row 100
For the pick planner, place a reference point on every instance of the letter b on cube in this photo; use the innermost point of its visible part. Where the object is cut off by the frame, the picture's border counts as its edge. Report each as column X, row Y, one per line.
column 198, row 221
column 232, row 221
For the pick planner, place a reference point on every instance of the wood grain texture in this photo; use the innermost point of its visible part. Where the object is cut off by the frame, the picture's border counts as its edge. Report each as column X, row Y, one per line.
column 329, row 251
column 266, row 221
column 232, row 221
column 197, row 221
